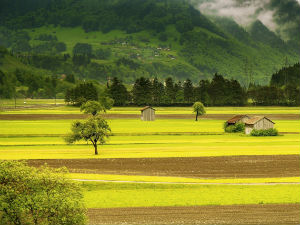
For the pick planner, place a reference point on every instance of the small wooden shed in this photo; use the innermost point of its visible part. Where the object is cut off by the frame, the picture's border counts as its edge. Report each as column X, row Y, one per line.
column 148, row 114
column 258, row 123
column 238, row 119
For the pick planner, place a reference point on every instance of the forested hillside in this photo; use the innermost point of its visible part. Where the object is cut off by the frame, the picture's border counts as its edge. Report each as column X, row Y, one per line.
column 97, row 39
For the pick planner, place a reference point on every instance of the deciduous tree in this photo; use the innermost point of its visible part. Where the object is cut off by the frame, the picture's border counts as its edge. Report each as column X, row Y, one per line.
column 95, row 129
column 199, row 109
column 44, row 196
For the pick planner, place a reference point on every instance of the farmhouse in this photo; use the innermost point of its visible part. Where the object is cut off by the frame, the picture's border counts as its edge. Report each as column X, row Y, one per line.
column 238, row 119
column 258, row 123
column 148, row 113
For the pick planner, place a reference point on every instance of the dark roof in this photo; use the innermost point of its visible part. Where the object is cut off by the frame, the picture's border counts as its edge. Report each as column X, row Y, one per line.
column 236, row 118
column 146, row 107
column 256, row 119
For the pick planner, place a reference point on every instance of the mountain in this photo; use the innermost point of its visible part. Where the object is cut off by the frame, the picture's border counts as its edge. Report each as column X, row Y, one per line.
column 97, row 39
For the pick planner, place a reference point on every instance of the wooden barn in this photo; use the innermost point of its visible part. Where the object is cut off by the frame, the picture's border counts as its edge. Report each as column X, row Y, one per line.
column 148, row 114
column 258, row 123
column 238, row 119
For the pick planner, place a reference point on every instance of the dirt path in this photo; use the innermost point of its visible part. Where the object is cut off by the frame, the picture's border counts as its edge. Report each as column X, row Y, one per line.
column 275, row 214
column 136, row 116
column 198, row 167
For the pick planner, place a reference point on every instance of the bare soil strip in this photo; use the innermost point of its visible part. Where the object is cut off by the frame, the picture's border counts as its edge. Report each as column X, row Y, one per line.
column 136, row 116
column 275, row 214
column 198, row 167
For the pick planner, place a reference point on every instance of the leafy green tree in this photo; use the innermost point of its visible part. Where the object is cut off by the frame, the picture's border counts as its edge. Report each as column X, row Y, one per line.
column 70, row 78
column 83, row 49
column 95, row 129
column 94, row 107
column 81, row 94
column 90, row 24
column 103, row 53
column 199, row 109
column 43, row 196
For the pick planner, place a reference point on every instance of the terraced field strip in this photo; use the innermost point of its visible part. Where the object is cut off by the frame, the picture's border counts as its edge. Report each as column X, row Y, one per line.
column 266, row 214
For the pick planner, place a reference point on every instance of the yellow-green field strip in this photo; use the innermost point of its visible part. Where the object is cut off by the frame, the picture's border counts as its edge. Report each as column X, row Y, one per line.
column 48, row 107
column 151, row 147
column 178, row 180
column 129, row 127
column 114, row 195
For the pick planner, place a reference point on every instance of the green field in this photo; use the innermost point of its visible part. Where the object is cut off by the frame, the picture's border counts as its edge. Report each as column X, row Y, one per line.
column 129, row 127
column 61, row 108
column 111, row 195
column 133, row 138
column 150, row 146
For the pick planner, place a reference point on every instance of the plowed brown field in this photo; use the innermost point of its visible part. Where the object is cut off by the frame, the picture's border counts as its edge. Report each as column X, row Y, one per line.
column 203, row 167
column 274, row 214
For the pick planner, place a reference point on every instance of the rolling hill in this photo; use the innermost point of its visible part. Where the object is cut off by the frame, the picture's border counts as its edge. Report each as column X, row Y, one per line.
column 133, row 38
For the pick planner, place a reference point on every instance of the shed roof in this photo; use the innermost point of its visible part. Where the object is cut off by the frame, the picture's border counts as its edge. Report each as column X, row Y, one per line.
column 236, row 118
column 256, row 119
column 146, row 107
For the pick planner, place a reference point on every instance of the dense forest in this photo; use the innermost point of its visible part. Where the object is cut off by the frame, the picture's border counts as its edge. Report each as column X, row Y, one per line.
column 216, row 92
column 97, row 39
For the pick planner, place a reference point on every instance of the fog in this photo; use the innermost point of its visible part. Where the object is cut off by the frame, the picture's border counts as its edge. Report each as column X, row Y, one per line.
column 278, row 15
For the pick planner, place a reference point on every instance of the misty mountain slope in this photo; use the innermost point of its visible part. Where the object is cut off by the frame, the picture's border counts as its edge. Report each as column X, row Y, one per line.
column 145, row 38
column 261, row 33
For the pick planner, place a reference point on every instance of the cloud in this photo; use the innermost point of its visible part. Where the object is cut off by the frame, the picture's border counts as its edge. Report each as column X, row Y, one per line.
column 280, row 16
column 244, row 12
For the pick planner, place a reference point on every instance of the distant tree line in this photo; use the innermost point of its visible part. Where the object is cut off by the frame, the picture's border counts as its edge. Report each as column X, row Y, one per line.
column 284, row 88
column 217, row 92
column 25, row 84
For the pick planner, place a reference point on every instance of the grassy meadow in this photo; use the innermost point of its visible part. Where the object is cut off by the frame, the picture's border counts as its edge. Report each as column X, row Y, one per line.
column 112, row 195
column 150, row 146
column 171, row 138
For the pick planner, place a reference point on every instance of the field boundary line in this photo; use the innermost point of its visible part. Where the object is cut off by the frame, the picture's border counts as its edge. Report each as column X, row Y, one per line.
column 186, row 183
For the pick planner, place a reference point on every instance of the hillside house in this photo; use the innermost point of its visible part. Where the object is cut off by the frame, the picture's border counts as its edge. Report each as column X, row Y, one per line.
column 238, row 119
column 148, row 114
column 258, row 123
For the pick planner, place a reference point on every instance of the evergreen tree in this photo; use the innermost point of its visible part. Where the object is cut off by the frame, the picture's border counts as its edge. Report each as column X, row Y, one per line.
column 188, row 90
column 157, row 91
column 81, row 94
column 169, row 90
column 179, row 95
column 142, row 92
column 118, row 92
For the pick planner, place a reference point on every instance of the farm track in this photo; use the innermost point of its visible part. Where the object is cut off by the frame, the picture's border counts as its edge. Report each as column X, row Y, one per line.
column 136, row 116
column 198, row 167
column 275, row 214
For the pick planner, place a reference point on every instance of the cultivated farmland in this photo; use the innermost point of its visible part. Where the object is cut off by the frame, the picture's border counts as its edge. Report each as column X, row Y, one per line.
column 170, row 171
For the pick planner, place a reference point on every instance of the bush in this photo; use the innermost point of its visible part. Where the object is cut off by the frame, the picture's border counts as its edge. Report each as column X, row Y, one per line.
column 237, row 128
column 38, row 196
column 268, row 132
